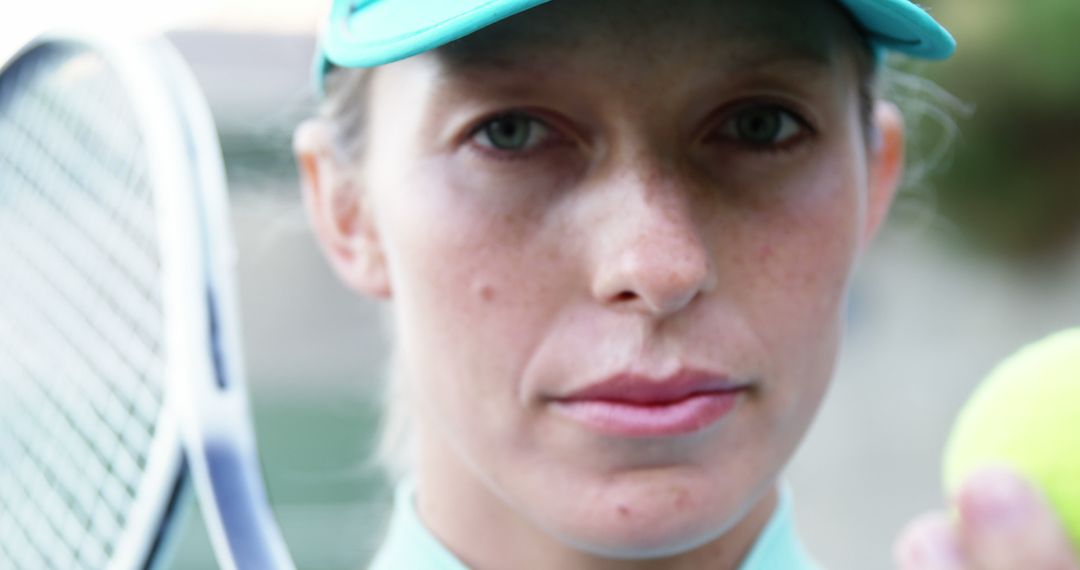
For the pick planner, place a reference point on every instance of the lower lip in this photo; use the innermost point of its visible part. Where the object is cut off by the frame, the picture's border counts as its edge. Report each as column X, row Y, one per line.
column 625, row 419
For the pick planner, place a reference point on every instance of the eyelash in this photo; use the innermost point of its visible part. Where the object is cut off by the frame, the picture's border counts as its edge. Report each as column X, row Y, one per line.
column 796, row 120
column 547, row 136
column 729, row 118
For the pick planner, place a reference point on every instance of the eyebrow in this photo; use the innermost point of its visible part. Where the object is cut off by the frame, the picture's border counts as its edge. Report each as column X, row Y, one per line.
column 462, row 60
column 767, row 54
column 494, row 71
column 482, row 63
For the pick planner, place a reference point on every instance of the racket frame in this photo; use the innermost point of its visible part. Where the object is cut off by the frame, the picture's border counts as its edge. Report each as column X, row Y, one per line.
column 204, row 431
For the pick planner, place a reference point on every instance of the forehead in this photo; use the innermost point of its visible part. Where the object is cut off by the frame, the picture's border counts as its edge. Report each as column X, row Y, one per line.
column 661, row 32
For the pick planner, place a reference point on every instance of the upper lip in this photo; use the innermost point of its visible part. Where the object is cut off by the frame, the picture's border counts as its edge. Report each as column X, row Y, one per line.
column 641, row 389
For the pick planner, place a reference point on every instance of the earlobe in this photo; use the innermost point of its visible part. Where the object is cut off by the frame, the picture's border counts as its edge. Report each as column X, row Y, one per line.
column 886, row 166
column 339, row 212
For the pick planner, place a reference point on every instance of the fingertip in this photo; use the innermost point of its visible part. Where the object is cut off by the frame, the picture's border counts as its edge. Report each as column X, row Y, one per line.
column 1006, row 522
column 929, row 542
column 997, row 497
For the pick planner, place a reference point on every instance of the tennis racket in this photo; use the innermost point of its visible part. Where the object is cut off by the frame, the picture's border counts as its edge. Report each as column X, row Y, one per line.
column 121, row 377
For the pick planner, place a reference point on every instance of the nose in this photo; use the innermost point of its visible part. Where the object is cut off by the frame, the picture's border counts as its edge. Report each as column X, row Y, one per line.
column 651, row 257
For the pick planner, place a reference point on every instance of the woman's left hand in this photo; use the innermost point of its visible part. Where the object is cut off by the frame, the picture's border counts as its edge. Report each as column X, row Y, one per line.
column 1002, row 523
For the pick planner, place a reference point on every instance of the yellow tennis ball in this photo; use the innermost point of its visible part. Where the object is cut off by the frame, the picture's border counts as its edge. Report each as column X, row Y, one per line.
column 1026, row 414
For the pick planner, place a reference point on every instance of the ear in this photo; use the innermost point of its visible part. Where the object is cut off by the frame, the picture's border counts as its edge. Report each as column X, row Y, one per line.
column 886, row 166
column 339, row 211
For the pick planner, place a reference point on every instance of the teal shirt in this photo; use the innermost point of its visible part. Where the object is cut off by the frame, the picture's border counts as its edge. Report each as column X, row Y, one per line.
column 410, row 546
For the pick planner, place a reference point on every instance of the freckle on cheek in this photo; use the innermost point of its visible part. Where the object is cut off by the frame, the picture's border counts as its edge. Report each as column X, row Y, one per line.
column 625, row 512
column 682, row 497
column 485, row 292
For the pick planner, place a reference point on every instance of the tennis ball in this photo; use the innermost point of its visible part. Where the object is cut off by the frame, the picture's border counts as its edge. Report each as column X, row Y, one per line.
column 1026, row 415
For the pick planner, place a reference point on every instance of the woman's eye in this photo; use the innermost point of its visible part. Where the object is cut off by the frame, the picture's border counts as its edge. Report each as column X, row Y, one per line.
column 511, row 133
column 763, row 127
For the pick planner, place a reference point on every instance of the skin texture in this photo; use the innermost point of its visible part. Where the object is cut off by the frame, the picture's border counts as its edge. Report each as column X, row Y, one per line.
column 638, row 233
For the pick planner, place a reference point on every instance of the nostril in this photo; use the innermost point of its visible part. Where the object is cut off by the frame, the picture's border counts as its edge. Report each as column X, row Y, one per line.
column 625, row 296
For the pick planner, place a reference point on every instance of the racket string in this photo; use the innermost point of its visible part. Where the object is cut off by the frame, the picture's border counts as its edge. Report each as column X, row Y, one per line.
column 69, row 431
column 74, row 400
column 102, row 317
column 92, row 221
column 84, row 319
column 81, row 361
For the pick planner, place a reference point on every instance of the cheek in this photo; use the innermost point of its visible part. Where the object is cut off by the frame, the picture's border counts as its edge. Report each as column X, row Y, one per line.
column 803, row 245
column 470, row 299
column 795, row 268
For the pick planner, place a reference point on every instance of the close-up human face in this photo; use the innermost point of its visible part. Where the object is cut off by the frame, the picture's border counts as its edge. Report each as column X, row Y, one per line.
column 617, row 268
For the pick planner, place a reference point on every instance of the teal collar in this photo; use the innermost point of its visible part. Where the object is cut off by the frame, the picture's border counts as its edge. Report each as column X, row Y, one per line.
column 410, row 545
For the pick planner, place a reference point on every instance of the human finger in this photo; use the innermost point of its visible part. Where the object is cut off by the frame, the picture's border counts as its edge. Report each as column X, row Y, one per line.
column 929, row 542
column 1006, row 524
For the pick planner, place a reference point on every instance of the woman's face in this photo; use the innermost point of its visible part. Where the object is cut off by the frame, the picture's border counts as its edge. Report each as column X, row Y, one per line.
column 617, row 239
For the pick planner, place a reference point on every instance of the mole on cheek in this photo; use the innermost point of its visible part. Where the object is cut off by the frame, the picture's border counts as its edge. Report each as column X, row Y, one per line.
column 485, row 292
column 682, row 497
column 625, row 512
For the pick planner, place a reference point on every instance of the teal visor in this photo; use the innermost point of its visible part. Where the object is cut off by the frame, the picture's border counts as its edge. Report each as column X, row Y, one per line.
column 368, row 33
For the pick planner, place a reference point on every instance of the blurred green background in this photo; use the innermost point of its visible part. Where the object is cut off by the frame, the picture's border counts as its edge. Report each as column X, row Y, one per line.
column 329, row 500
column 1012, row 186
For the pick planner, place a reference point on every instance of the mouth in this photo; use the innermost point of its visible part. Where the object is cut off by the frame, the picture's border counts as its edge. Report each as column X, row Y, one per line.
column 629, row 405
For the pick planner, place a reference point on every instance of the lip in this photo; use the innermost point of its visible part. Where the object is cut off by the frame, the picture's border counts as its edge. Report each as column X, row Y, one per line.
column 633, row 405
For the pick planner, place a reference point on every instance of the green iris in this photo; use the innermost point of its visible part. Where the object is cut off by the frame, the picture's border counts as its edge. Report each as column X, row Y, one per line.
column 759, row 126
column 509, row 132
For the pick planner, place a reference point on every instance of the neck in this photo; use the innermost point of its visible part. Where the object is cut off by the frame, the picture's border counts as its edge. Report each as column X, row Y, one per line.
column 468, row 517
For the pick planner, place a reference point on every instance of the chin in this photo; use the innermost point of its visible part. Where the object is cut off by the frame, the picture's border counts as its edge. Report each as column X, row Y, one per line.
column 666, row 522
column 645, row 540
